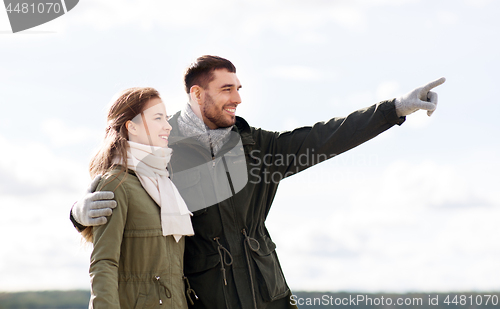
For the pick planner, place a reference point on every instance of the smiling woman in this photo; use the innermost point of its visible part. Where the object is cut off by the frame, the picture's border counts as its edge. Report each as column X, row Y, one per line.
column 150, row 213
column 150, row 127
column 129, row 104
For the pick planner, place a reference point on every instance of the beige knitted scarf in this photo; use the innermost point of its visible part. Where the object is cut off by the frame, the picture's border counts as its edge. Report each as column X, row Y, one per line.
column 150, row 165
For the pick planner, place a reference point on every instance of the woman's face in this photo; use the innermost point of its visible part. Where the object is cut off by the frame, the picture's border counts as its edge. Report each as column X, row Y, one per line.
column 151, row 126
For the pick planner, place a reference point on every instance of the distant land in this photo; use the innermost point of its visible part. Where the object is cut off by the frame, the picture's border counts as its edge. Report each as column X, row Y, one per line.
column 309, row 300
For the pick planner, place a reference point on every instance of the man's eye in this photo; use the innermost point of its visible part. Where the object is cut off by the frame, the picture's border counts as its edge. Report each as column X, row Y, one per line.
column 158, row 118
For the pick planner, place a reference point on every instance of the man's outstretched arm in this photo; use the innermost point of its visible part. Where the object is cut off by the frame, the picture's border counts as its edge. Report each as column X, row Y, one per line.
column 93, row 207
column 307, row 146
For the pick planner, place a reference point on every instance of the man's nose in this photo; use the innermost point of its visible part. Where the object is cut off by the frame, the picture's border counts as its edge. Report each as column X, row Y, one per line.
column 236, row 98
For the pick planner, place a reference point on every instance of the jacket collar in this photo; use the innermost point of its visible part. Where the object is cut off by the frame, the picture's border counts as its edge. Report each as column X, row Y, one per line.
column 241, row 126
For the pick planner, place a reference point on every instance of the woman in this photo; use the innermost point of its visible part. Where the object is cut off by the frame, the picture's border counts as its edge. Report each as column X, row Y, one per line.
column 137, row 259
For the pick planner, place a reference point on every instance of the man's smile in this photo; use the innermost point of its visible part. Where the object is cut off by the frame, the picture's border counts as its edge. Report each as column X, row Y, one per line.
column 230, row 110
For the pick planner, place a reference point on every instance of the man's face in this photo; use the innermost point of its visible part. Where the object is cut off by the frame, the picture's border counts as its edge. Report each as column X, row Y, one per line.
column 221, row 99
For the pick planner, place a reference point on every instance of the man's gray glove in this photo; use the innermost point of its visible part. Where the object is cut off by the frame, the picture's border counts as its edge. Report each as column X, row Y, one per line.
column 93, row 207
column 420, row 98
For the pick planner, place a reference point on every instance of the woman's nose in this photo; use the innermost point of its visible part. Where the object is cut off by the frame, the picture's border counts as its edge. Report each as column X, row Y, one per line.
column 168, row 126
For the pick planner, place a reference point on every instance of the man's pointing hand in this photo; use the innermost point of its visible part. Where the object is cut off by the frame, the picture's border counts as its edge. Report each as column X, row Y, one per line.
column 420, row 98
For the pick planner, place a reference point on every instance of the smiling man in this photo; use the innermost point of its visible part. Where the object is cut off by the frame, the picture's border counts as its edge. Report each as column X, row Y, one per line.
column 218, row 99
column 217, row 163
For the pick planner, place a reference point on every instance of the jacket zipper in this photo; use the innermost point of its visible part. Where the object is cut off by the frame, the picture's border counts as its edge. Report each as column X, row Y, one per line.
column 211, row 149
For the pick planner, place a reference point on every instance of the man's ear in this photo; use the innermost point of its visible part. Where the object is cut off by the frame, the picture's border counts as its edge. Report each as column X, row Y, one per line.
column 196, row 94
column 131, row 128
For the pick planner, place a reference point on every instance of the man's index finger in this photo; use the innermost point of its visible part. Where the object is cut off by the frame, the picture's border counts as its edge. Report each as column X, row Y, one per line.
column 434, row 84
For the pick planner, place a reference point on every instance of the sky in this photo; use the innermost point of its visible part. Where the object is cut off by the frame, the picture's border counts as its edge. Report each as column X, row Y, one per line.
column 415, row 209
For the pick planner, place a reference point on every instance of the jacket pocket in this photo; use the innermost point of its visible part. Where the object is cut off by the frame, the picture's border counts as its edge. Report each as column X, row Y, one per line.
column 141, row 301
column 270, row 279
column 186, row 178
column 191, row 188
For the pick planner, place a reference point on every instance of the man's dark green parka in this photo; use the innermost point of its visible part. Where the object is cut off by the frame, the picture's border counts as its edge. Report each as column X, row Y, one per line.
column 231, row 260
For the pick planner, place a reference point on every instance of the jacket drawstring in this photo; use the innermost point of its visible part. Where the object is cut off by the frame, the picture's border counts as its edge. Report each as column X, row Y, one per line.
column 248, row 243
column 189, row 291
column 167, row 291
column 223, row 260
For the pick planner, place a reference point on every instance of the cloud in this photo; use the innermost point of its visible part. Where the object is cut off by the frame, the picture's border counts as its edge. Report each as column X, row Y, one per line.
column 40, row 243
column 393, row 251
column 349, row 17
column 31, row 167
column 37, row 188
column 250, row 17
column 296, row 72
column 148, row 13
column 448, row 18
column 406, row 226
column 421, row 185
column 61, row 134
column 478, row 3
column 387, row 90
column 342, row 106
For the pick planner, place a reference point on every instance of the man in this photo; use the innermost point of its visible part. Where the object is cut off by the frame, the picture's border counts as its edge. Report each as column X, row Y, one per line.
column 231, row 260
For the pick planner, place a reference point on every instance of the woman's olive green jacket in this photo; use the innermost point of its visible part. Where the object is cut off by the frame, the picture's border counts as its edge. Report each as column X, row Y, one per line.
column 133, row 265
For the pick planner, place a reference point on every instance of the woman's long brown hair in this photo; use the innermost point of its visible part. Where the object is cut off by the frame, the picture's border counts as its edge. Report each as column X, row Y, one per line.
column 129, row 104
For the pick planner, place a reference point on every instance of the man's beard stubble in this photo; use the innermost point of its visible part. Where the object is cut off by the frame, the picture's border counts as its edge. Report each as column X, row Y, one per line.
column 216, row 117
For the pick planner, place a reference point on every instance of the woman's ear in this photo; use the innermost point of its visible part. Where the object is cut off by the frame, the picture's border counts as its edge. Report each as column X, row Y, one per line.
column 131, row 128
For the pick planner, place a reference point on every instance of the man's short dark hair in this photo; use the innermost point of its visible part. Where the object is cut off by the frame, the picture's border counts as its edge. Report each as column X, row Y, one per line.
column 201, row 71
